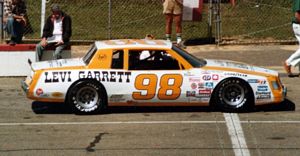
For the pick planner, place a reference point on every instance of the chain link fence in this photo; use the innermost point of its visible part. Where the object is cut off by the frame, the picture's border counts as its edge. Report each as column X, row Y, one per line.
column 257, row 20
column 247, row 20
column 112, row 19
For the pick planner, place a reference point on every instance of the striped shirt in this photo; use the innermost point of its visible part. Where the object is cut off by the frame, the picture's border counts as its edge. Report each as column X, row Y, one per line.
column 10, row 9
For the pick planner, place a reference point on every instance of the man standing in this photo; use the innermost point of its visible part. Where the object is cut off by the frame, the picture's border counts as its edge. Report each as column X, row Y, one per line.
column 14, row 19
column 57, row 32
column 294, row 59
column 173, row 9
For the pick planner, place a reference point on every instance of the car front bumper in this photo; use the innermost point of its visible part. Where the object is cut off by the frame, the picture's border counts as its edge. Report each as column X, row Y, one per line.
column 284, row 92
column 25, row 86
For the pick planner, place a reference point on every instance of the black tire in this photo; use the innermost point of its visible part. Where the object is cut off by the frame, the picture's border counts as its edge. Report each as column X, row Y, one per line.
column 87, row 97
column 233, row 95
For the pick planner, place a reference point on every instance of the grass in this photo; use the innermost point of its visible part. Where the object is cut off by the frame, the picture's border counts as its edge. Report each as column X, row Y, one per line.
column 136, row 18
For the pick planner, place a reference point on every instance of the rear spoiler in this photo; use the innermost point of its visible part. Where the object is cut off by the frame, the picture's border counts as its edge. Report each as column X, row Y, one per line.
column 30, row 64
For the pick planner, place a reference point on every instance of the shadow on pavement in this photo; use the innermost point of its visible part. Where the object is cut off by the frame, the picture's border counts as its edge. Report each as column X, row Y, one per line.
column 286, row 105
column 50, row 108
column 119, row 110
column 62, row 108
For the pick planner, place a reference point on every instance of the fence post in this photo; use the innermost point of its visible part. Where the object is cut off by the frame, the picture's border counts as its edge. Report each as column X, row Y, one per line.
column 1, row 20
column 109, row 19
column 210, row 15
column 43, row 13
column 217, row 12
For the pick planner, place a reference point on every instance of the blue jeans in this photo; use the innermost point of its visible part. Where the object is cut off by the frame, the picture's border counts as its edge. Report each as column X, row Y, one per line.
column 15, row 29
column 57, row 53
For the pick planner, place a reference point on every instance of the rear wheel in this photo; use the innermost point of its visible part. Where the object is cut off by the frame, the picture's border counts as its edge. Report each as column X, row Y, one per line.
column 87, row 97
column 233, row 95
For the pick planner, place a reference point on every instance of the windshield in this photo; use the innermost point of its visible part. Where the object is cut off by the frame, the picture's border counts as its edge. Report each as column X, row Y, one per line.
column 194, row 61
column 89, row 55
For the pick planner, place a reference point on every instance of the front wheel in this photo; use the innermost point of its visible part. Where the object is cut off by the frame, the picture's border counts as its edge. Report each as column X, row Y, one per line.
column 233, row 95
column 87, row 97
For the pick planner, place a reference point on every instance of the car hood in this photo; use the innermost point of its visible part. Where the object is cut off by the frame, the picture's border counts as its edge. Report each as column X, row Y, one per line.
column 58, row 63
column 233, row 65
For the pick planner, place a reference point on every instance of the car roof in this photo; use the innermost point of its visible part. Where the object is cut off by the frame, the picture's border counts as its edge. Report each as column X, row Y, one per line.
column 133, row 43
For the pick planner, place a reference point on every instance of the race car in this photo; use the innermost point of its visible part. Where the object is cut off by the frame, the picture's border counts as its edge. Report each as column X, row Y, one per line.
column 141, row 72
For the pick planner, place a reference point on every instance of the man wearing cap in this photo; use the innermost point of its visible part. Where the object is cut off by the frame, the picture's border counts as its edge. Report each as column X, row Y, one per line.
column 57, row 32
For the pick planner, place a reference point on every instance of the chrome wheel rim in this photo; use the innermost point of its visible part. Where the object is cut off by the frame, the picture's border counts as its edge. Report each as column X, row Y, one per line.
column 87, row 98
column 233, row 94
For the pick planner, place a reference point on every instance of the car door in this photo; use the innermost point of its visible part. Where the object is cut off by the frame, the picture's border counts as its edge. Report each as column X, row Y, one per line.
column 157, row 77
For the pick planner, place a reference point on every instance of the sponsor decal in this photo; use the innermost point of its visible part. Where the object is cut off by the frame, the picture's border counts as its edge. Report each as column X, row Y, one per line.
column 237, row 65
column 204, row 94
column 193, row 85
column 262, row 88
column 205, row 72
column 201, row 85
column 204, row 91
column 54, row 77
column 106, row 76
column 39, row 92
column 194, row 79
column 204, row 99
column 257, row 81
column 57, row 94
column 103, row 76
column 117, row 98
column 190, row 93
column 206, row 77
column 209, row 85
column 263, row 95
column 215, row 77
column 221, row 63
column 252, row 80
column 236, row 74
column 188, row 74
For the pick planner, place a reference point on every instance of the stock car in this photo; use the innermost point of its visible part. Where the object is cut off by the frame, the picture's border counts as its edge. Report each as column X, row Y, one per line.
column 140, row 72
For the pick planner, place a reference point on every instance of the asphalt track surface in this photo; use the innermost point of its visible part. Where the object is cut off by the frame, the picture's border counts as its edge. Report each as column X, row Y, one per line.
column 33, row 128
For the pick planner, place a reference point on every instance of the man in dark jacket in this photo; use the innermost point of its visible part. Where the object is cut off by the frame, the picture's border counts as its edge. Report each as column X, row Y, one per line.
column 57, row 32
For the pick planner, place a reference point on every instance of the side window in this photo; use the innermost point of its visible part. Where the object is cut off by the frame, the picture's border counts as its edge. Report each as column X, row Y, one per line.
column 151, row 60
column 117, row 59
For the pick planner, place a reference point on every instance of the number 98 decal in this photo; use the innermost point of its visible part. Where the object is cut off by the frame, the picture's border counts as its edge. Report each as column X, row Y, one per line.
column 169, row 87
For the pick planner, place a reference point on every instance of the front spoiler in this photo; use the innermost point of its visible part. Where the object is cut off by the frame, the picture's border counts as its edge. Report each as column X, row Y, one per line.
column 284, row 92
column 24, row 86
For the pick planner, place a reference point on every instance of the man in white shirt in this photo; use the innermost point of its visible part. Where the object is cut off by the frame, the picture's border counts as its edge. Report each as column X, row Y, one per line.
column 57, row 32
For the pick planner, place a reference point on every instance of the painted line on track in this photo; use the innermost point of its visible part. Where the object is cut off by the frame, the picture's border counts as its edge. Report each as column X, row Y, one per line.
column 142, row 122
column 110, row 123
column 236, row 134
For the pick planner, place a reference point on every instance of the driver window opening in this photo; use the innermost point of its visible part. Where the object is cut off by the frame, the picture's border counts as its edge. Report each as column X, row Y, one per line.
column 152, row 60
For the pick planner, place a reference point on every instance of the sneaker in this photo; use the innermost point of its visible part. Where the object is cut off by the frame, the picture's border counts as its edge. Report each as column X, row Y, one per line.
column 179, row 40
column 12, row 43
column 181, row 45
column 287, row 68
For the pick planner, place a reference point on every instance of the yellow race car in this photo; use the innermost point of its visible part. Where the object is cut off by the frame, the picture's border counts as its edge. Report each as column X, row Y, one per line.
column 150, row 73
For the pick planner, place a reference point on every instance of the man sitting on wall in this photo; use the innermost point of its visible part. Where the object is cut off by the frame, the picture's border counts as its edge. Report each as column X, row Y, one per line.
column 14, row 19
column 57, row 32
